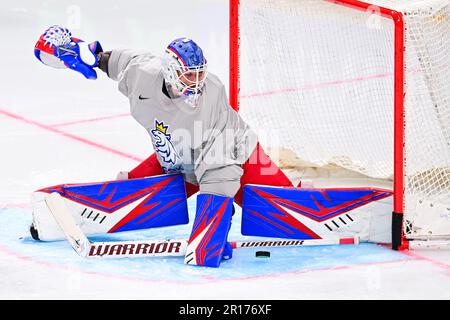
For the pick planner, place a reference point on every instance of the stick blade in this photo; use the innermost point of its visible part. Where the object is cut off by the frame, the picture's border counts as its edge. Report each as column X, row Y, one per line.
column 65, row 220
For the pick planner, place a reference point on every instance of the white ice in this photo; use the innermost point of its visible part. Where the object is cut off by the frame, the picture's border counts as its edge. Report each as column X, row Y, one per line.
column 40, row 147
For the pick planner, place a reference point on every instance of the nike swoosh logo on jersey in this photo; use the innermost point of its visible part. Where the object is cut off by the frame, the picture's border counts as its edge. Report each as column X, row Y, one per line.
column 142, row 98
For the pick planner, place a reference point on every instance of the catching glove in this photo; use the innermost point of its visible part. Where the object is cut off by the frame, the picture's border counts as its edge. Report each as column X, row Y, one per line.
column 58, row 49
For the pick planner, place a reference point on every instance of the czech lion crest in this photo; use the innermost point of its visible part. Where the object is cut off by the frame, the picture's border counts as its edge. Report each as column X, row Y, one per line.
column 164, row 147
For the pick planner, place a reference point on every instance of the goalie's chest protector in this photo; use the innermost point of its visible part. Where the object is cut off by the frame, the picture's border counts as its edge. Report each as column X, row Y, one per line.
column 181, row 133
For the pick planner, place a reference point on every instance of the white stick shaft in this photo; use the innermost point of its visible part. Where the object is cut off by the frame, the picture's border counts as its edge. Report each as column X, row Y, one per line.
column 295, row 243
column 177, row 247
column 65, row 220
column 152, row 248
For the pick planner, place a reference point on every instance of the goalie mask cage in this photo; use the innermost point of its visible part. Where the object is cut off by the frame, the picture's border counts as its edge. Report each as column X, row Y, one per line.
column 363, row 86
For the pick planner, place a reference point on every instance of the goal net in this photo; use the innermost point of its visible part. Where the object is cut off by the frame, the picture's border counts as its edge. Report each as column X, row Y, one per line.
column 348, row 89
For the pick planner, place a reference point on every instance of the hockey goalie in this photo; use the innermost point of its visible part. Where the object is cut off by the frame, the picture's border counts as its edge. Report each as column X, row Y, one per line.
column 197, row 136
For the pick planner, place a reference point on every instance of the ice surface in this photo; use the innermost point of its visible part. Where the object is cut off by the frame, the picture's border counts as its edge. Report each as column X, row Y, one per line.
column 39, row 147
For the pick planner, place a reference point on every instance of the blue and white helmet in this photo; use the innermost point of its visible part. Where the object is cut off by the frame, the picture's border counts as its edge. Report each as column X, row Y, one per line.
column 185, row 67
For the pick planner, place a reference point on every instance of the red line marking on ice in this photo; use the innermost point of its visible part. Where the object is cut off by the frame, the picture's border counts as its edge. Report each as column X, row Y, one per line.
column 7, row 252
column 20, row 205
column 326, row 84
column 61, row 267
column 69, row 135
column 422, row 258
column 299, row 272
column 317, row 86
column 90, row 120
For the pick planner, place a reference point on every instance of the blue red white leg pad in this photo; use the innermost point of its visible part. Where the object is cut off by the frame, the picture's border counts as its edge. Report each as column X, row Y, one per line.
column 116, row 206
column 210, row 231
column 294, row 213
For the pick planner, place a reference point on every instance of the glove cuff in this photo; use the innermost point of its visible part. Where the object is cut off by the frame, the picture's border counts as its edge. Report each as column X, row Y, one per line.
column 89, row 53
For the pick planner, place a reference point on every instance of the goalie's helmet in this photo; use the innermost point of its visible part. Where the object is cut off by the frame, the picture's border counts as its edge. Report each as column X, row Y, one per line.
column 185, row 67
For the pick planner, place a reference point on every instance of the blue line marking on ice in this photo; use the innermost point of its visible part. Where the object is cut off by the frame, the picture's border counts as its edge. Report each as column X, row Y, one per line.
column 15, row 238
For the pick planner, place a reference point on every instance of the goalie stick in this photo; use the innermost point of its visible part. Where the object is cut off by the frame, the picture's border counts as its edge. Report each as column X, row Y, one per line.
column 152, row 248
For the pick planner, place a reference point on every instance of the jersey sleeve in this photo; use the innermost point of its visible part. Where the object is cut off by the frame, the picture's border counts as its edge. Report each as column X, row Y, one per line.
column 123, row 67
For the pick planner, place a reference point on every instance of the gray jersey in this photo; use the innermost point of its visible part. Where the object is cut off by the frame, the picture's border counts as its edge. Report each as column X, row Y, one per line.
column 208, row 143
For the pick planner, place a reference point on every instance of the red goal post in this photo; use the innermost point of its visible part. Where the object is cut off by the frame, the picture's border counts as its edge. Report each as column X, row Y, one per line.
column 398, row 238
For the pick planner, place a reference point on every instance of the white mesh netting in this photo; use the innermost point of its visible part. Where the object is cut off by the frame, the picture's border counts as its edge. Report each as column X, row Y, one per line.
column 317, row 85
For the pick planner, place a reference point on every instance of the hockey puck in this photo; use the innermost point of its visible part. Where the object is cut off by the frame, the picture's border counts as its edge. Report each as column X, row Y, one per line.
column 262, row 254
column 34, row 233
